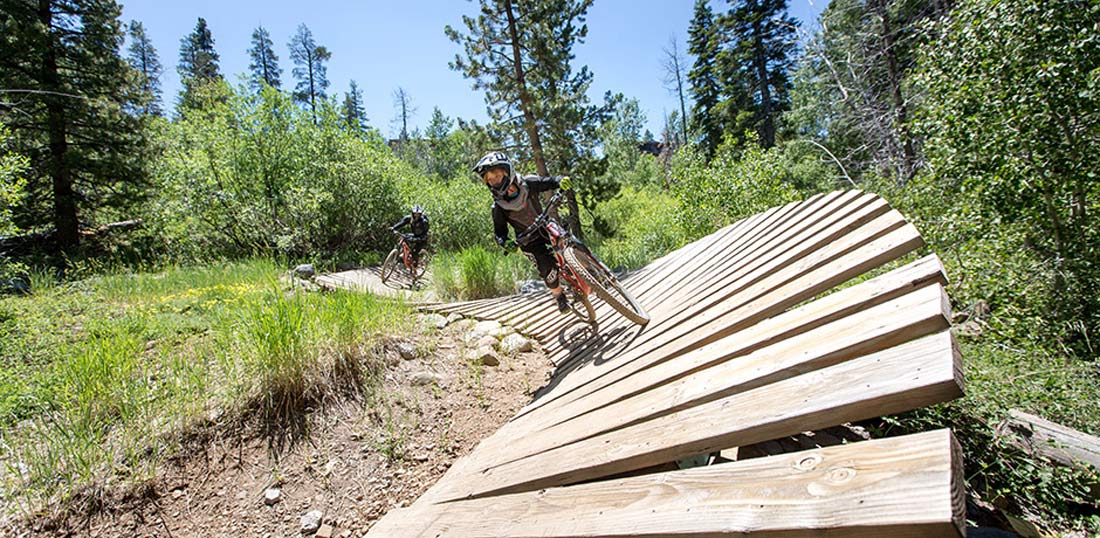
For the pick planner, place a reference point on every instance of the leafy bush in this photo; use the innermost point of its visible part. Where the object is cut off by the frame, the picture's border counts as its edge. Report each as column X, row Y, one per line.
column 734, row 185
column 1010, row 140
column 646, row 225
column 458, row 210
column 248, row 173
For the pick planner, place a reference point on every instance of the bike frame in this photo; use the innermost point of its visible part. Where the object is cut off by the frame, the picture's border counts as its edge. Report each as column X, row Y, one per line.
column 559, row 239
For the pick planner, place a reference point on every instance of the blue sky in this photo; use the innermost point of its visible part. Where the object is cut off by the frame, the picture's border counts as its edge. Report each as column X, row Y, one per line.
column 384, row 45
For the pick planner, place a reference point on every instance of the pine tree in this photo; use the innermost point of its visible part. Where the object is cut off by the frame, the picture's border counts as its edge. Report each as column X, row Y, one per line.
column 519, row 52
column 265, row 63
column 704, row 43
column 352, row 111
column 86, row 154
column 143, row 59
column 198, row 61
column 310, row 71
column 757, row 62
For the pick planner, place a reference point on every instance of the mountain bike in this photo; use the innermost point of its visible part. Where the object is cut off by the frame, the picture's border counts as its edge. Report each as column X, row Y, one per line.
column 581, row 271
column 401, row 257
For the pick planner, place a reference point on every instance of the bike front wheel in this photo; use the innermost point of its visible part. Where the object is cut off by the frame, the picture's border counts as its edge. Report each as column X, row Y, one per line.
column 581, row 306
column 389, row 265
column 604, row 283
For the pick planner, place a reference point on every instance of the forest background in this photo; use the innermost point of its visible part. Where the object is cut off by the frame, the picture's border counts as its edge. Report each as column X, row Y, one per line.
column 977, row 119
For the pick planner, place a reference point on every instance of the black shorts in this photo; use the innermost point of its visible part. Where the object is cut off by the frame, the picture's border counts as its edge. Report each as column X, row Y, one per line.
column 545, row 261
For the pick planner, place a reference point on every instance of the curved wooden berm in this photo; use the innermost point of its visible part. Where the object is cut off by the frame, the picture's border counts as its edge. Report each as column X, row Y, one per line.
column 750, row 341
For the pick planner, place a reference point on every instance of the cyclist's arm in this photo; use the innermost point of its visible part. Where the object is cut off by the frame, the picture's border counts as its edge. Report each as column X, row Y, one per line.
column 500, row 225
column 401, row 223
column 540, row 184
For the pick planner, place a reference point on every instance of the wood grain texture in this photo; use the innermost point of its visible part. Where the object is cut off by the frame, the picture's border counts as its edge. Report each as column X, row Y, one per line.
column 902, row 486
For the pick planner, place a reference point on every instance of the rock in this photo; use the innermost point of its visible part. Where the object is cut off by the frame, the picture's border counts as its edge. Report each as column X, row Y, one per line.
column 330, row 467
column 463, row 325
column 272, row 495
column 971, row 328
column 325, row 531
column 489, row 327
column 434, row 320
column 311, row 521
column 486, row 341
column 426, row 378
column 453, row 317
column 305, row 270
column 514, row 343
column 484, row 355
column 407, row 350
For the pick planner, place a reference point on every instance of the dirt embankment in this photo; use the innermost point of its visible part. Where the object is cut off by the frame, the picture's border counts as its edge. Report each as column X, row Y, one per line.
column 358, row 460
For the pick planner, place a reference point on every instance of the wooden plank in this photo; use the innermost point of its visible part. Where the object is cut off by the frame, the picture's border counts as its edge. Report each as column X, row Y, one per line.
column 746, row 302
column 899, row 487
column 915, row 374
column 1051, row 440
column 920, row 273
column 834, row 238
column 723, row 368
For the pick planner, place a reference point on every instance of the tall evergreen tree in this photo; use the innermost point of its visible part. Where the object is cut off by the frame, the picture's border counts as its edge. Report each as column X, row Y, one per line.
column 62, row 58
column 352, row 111
column 198, row 61
column 143, row 58
column 265, row 63
column 757, row 62
column 704, row 42
column 310, row 71
column 520, row 53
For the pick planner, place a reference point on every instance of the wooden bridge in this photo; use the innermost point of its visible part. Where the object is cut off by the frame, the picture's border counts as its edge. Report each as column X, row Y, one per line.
column 753, row 338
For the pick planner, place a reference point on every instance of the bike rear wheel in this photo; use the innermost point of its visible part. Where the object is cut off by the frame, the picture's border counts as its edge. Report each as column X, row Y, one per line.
column 606, row 286
column 389, row 265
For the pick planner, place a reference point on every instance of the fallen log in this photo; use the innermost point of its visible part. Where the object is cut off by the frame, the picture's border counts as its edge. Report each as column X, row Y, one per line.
column 1053, row 441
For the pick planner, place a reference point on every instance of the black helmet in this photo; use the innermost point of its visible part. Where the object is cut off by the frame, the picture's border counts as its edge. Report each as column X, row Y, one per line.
column 496, row 159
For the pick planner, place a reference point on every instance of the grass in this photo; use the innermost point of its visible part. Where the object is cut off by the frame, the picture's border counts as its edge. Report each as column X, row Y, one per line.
column 477, row 273
column 100, row 377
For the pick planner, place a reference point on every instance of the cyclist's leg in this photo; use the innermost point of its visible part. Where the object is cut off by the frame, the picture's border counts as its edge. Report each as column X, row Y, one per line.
column 547, row 265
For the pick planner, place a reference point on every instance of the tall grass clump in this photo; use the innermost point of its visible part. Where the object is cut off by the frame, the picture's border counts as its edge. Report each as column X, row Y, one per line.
column 298, row 350
column 477, row 273
column 103, row 378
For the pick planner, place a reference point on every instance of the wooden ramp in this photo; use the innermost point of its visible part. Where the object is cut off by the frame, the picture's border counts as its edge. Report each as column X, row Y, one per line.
column 370, row 280
column 749, row 341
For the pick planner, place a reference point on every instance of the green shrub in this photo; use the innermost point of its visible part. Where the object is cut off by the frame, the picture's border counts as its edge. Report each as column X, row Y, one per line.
column 646, row 226
column 734, row 185
column 251, row 173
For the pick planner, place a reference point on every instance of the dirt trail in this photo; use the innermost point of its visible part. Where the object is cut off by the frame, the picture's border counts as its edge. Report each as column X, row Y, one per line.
column 360, row 459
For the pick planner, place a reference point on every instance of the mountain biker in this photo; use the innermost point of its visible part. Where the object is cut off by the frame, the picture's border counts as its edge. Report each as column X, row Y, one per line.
column 418, row 239
column 516, row 202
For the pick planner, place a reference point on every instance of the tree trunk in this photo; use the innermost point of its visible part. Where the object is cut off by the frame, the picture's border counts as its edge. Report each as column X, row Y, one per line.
column 312, row 93
column 64, row 198
column 529, row 120
column 901, row 115
column 767, row 129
